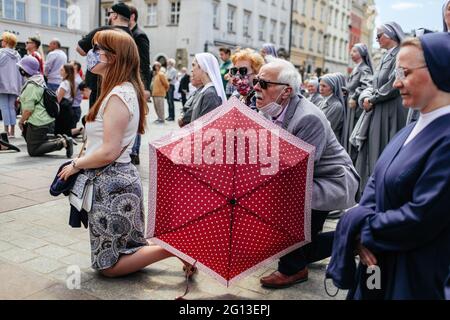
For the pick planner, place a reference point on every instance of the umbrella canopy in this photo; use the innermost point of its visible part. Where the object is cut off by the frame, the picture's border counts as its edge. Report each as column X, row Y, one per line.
column 231, row 192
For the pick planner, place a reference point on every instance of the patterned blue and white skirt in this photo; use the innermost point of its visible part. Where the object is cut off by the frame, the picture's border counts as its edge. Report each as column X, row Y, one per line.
column 116, row 221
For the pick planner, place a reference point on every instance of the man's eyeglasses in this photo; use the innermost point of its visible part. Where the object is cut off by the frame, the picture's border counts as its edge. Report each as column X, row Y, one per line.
column 379, row 36
column 401, row 73
column 265, row 84
column 242, row 71
column 109, row 13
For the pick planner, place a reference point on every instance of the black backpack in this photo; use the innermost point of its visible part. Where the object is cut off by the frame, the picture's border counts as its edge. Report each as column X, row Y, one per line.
column 50, row 101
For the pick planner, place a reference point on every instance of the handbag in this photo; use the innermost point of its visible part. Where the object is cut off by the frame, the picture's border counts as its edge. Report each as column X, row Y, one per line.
column 82, row 194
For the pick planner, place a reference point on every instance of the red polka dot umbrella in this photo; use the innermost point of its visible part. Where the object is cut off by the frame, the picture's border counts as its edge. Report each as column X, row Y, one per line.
column 231, row 192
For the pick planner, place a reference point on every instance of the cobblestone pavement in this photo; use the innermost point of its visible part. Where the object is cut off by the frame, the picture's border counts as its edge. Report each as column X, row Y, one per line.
column 37, row 246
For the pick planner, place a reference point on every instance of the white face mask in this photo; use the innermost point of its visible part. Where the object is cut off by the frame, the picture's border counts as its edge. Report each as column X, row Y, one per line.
column 273, row 109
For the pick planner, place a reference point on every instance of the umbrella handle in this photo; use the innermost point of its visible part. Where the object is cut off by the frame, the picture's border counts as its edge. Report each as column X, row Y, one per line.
column 188, row 277
column 326, row 289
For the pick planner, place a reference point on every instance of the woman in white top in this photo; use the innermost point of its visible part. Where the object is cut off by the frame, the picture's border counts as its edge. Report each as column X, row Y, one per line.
column 65, row 94
column 116, row 221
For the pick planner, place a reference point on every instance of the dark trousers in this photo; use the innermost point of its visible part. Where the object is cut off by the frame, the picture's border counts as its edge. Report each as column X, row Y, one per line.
column 38, row 143
column 76, row 116
column 319, row 248
column 137, row 146
column 171, row 101
column 183, row 98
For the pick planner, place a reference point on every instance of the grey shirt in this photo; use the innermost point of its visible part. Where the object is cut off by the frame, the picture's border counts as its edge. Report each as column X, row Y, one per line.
column 335, row 179
column 171, row 75
column 55, row 61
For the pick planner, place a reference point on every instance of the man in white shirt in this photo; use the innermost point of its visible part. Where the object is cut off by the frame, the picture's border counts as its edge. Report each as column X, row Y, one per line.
column 56, row 59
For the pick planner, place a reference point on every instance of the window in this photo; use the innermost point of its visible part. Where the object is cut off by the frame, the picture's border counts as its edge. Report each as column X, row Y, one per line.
column 247, row 21
column 301, row 35
column 320, row 42
column 311, row 39
column 304, row 7
column 343, row 21
column 341, row 49
column 313, row 12
column 54, row 13
column 282, row 32
column 262, row 28
column 334, row 48
column 322, row 13
column 273, row 30
column 295, row 31
column 174, row 12
column 231, row 23
column 12, row 9
column 336, row 17
column 216, row 15
column 152, row 14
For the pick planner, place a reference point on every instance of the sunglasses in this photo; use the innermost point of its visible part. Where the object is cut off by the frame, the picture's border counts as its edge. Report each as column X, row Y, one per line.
column 242, row 71
column 109, row 13
column 379, row 35
column 265, row 84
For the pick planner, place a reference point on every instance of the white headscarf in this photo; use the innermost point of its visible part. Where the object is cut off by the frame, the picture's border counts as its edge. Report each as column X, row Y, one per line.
column 210, row 65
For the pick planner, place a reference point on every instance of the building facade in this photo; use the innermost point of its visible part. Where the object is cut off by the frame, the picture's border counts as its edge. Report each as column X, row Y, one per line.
column 66, row 21
column 309, row 26
column 337, row 36
column 181, row 28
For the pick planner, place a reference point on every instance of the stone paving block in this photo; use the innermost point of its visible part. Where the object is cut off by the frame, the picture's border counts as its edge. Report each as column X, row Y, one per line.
column 61, row 292
column 4, row 218
column 81, row 246
column 30, row 243
column 7, row 189
column 11, row 202
column 39, row 196
column 62, row 275
column 37, row 231
column 42, row 265
column 20, row 283
column 61, row 239
column 33, row 183
column 4, row 246
column 76, row 259
column 12, row 226
column 53, row 252
column 18, row 255
column 9, row 235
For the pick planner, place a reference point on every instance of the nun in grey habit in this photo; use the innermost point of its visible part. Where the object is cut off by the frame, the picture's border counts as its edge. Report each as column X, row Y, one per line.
column 358, row 81
column 333, row 105
column 445, row 8
column 389, row 115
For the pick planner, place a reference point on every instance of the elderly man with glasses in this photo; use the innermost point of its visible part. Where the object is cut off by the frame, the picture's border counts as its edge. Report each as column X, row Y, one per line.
column 335, row 179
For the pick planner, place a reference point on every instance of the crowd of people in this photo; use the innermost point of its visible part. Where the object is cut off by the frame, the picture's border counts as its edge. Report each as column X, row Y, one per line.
column 390, row 176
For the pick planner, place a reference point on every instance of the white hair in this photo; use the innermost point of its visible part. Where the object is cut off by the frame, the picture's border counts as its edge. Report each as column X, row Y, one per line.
column 288, row 74
column 171, row 62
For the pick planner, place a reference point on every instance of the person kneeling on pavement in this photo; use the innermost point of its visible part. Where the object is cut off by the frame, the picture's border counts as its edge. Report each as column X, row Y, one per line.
column 36, row 124
column 335, row 180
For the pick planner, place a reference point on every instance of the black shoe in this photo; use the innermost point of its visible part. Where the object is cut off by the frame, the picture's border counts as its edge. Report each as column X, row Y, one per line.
column 135, row 160
column 4, row 137
column 170, row 119
column 8, row 146
column 69, row 147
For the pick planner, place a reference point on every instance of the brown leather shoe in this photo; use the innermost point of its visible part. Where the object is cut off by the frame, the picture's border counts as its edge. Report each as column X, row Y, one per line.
column 277, row 280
